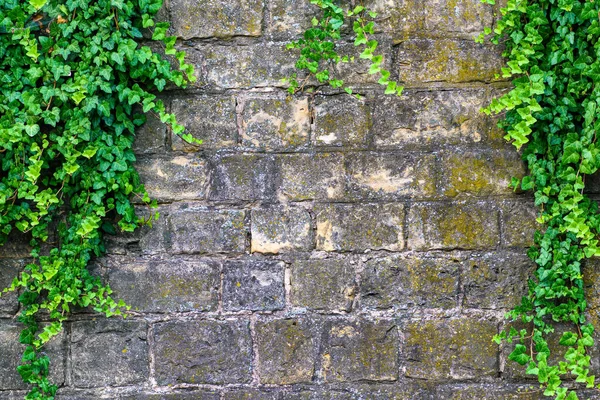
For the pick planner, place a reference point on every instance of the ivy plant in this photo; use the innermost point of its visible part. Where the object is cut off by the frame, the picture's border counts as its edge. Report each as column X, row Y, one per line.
column 551, row 113
column 75, row 79
column 318, row 52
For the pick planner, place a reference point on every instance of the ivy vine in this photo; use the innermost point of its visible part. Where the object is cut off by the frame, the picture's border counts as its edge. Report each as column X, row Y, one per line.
column 553, row 53
column 72, row 74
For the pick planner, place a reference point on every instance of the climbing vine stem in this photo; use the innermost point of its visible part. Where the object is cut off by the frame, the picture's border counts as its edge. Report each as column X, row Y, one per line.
column 75, row 79
column 551, row 113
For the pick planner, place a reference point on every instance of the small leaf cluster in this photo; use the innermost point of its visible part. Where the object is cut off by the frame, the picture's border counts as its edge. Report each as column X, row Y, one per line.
column 76, row 81
column 553, row 53
column 319, row 54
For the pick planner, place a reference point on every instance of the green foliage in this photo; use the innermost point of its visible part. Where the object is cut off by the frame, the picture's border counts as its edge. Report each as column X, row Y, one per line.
column 318, row 52
column 73, row 74
column 553, row 52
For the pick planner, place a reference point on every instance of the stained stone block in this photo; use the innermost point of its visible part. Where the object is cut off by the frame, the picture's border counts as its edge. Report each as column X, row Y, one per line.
column 480, row 173
column 17, row 246
column 465, row 18
column 450, row 349
column 289, row 18
column 398, row 18
column 151, row 137
column 178, row 178
column 242, row 177
column 402, row 390
column 311, row 176
column 11, row 352
column 360, row 350
column 122, row 345
column 146, row 239
column 519, row 224
column 275, row 122
column 357, row 72
column 404, row 282
column 201, row 230
column 489, row 392
column 377, row 176
column 198, row 352
column 252, row 394
column 189, row 395
column 9, row 270
column 253, row 285
column 444, row 60
column 169, row 284
column 211, row 119
column 426, row 119
column 496, row 280
column 328, row 284
column 324, row 393
column 348, row 227
column 214, row 18
column 453, row 226
column 287, row 350
column 341, row 121
column 278, row 229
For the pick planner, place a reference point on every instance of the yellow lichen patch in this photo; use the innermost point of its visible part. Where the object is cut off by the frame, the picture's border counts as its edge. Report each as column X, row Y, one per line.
column 325, row 236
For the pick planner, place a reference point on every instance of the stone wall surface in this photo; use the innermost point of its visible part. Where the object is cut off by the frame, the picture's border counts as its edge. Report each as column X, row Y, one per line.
column 315, row 246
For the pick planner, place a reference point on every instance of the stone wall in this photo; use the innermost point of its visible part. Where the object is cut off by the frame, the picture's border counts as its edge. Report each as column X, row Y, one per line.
column 314, row 247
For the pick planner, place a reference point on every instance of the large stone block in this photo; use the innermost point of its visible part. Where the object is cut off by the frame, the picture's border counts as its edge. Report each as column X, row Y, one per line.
column 341, row 121
column 242, row 177
column 431, row 119
column 196, row 352
column 275, row 122
column 491, row 391
column 151, row 137
column 453, row 226
column 357, row 72
column 462, row 18
column 177, row 178
column 214, row 18
column 519, row 224
column 443, row 60
column 9, row 270
column 278, row 229
column 348, row 227
column 252, row 394
column 201, row 230
column 121, row 346
column 484, row 173
column 211, row 119
column 404, row 282
column 401, row 390
column 328, row 284
column 311, row 176
column 360, row 350
column 11, row 352
column 398, row 19
column 450, row 349
column 287, row 350
column 187, row 395
column 289, row 19
column 253, row 285
column 495, row 280
column 391, row 176
column 169, row 284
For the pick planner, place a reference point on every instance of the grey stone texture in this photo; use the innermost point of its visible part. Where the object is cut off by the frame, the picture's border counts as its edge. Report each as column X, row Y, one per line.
column 314, row 246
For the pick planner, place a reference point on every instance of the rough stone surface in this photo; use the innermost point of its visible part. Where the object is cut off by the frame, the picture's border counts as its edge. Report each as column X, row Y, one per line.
column 242, row 177
column 212, row 352
column 342, row 227
column 151, row 137
column 341, row 121
column 519, row 224
column 279, row 229
column 311, row 176
column 253, row 285
column 9, row 270
column 178, row 178
column 119, row 345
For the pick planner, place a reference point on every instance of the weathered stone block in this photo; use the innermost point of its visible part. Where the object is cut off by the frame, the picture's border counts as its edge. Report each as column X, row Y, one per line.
column 275, row 122
column 450, row 349
column 311, row 176
column 242, row 177
column 213, row 18
column 9, row 270
column 253, row 285
column 201, row 230
column 289, row 18
column 404, row 282
column 402, row 390
column 425, row 119
column 496, row 280
column 287, row 350
column 341, row 121
column 327, row 284
column 346, row 227
column 11, row 352
column 277, row 229
column 444, row 60
column 480, row 173
column 519, row 224
column 361, row 350
column 122, row 345
column 252, row 394
column 488, row 392
column 255, row 65
column 17, row 246
column 189, row 395
column 146, row 239
column 151, row 137
column 211, row 119
column 450, row 226
column 391, row 176
column 169, row 284
column 211, row 352
column 465, row 18
column 178, row 178
column 398, row 18
column 357, row 72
